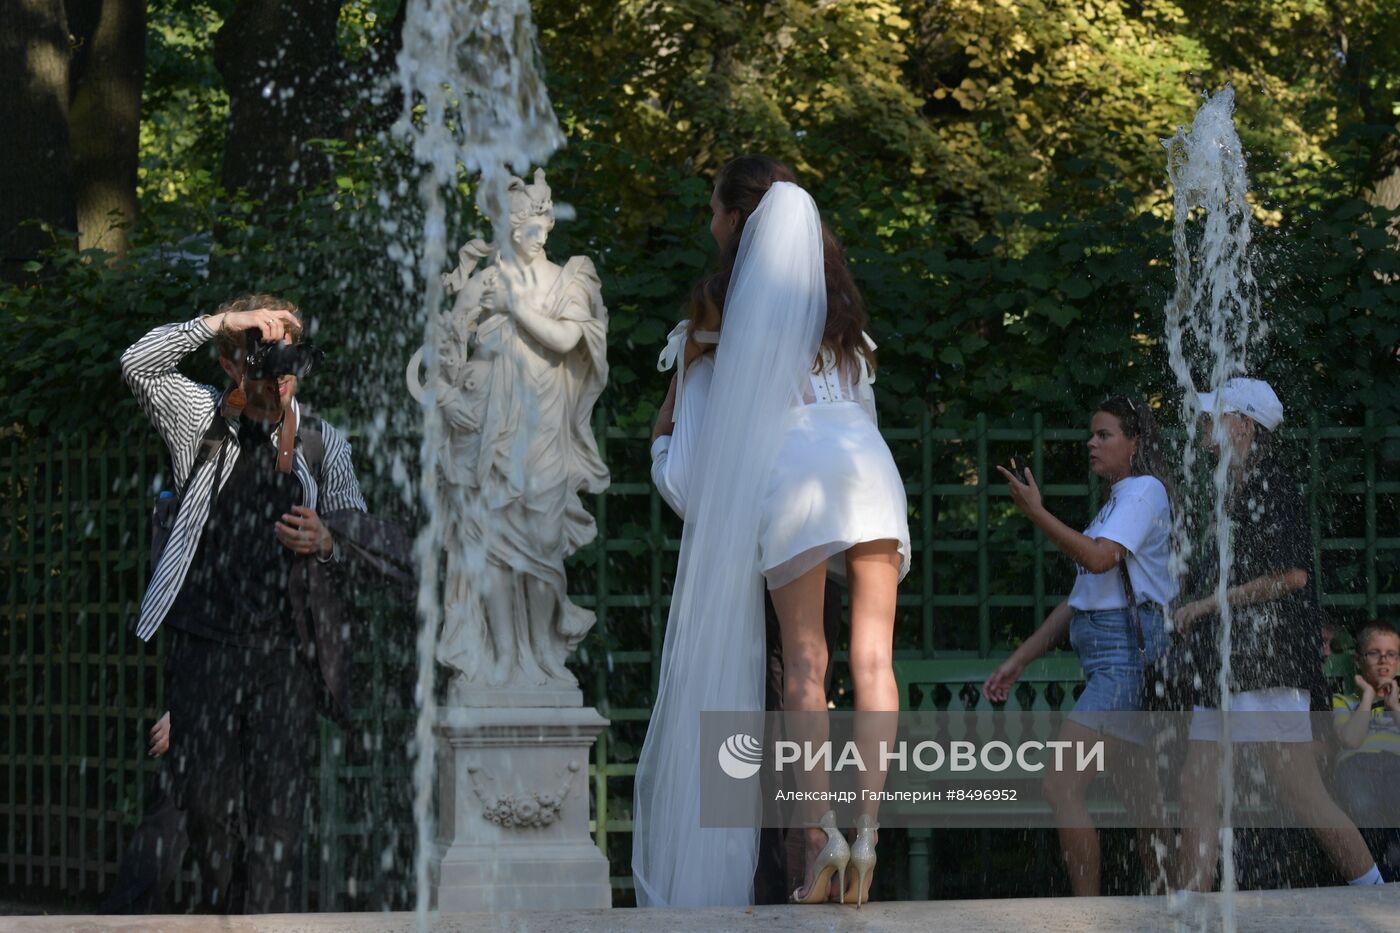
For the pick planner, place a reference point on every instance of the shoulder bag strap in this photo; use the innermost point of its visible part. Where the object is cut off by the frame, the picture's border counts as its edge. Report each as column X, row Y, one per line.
column 218, row 478
column 211, row 442
column 313, row 441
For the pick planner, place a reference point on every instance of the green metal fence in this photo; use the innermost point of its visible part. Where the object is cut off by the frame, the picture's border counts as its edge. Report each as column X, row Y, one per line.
column 81, row 690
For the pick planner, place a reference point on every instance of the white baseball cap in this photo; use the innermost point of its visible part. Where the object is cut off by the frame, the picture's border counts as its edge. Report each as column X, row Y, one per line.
column 1252, row 397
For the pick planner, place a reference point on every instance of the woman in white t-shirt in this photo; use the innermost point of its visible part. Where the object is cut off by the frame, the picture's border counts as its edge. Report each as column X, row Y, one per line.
column 1134, row 525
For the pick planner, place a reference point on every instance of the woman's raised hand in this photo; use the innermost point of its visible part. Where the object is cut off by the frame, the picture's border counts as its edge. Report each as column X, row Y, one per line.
column 1025, row 493
column 997, row 686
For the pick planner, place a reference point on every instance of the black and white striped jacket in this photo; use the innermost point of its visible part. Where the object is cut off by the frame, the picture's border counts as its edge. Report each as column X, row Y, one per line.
column 182, row 411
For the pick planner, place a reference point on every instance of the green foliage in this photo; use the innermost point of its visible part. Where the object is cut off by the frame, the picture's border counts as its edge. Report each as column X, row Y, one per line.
column 1316, row 85
column 666, row 89
column 327, row 252
column 362, row 25
column 1074, row 317
column 1015, row 89
column 183, row 101
column 64, row 333
column 991, row 167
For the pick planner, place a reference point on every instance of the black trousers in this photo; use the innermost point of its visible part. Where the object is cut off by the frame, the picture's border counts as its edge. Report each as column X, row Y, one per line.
column 780, row 850
column 242, row 733
column 153, row 856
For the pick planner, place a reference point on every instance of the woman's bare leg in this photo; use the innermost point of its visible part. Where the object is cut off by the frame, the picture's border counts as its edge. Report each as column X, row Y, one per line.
column 1079, row 840
column 1294, row 767
column 1200, row 818
column 872, row 573
column 799, row 605
column 1136, row 784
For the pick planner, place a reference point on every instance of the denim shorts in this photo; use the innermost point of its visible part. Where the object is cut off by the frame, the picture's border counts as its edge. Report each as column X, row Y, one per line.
column 1107, row 647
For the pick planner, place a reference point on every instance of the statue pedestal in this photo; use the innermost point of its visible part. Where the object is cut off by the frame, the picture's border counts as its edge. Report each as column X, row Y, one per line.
column 551, row 695
column 513, row 795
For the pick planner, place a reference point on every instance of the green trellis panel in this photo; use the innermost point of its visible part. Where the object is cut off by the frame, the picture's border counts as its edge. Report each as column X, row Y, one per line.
column 81, row 690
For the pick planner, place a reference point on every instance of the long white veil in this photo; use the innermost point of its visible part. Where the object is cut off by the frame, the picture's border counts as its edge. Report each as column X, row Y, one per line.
column 774, row 316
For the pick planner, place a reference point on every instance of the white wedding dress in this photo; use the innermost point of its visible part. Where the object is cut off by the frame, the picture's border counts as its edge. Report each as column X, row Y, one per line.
column 834, row 483
column 766, row 484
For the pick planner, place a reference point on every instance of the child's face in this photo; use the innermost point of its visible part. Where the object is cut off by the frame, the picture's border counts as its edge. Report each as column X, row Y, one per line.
column 1378, row 658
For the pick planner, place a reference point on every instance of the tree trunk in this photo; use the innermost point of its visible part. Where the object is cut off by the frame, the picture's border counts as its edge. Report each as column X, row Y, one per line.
column 35, row 181
column 1386, row 190
column 284, row 76
column 109, row 70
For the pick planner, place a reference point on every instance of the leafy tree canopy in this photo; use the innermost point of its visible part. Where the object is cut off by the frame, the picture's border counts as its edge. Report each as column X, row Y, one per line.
column 994, row 168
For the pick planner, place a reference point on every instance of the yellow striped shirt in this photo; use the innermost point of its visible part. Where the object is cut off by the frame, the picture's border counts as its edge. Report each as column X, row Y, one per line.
column 1383, row 734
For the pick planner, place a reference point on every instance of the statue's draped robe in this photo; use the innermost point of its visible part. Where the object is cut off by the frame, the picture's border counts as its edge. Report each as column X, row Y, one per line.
column 527, row 463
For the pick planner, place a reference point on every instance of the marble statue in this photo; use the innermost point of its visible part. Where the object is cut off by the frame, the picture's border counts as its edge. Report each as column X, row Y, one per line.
column 522, row 360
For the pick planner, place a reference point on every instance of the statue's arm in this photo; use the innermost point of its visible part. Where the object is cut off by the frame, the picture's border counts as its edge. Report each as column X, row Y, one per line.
column 560, row 335
column 467, row 307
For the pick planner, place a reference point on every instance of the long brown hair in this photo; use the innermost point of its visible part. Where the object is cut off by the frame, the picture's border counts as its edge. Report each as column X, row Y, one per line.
column 1137, row 423
column 740, row 185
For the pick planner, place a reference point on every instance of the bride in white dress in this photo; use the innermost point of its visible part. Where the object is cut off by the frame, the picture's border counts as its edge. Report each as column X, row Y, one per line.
column 767, row 444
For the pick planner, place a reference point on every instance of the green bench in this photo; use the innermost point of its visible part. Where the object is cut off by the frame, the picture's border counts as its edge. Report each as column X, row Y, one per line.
column 955, row 685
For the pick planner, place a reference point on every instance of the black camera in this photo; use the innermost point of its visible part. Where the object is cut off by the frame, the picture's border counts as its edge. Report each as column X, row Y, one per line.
column 271, row 360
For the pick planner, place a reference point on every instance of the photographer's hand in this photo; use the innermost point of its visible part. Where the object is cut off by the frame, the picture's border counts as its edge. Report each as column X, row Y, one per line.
column 160, row 736
column 302, row 533
column 273, row 324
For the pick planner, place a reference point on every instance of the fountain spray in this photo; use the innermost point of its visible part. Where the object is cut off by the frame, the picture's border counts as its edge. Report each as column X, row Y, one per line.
column 1211, row 322
column 474, row 104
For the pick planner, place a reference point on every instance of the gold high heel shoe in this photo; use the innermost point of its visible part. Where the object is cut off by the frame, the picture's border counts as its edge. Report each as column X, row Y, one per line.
column 832, row 858
column 862, row 859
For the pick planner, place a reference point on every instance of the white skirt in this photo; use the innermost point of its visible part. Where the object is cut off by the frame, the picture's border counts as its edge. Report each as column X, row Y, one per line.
column 834, row 485
column 1274, row 714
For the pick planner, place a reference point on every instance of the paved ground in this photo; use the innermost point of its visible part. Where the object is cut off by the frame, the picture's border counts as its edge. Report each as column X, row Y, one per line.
column 1311, row 910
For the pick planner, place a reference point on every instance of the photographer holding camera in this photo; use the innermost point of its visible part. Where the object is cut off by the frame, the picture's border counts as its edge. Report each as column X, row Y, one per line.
column 247, row 581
